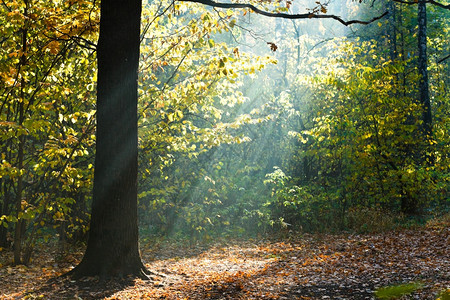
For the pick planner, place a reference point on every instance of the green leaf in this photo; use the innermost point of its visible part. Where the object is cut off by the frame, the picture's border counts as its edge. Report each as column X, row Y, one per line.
column 397, row 291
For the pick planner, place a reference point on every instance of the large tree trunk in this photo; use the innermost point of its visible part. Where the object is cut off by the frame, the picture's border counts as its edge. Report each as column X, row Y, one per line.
column 112, row 248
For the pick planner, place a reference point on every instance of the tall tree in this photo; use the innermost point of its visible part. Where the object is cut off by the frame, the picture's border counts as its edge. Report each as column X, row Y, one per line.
column 112, row 248
column 424, row 95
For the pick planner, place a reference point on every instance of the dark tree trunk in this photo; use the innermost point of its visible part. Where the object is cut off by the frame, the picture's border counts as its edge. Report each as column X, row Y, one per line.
column 4, row 210
column 112, row 249
column 20, row 225
column 393, row 31
column 409, row 204
column 424, row 95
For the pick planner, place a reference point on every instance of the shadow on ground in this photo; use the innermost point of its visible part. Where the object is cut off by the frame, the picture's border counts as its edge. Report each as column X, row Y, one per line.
column 86, row 289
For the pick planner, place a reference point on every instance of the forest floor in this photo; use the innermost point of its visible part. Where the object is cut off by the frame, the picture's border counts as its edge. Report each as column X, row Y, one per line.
column 297, row 266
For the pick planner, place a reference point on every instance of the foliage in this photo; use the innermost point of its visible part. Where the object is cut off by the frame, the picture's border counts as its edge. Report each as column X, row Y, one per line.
column 47, row 119
column 444, row 295
column 189, row 83
column 366, row 219
column 302, row 207
column 320, row 134
column 363, row 138
column 397, row 291
column 346, row 140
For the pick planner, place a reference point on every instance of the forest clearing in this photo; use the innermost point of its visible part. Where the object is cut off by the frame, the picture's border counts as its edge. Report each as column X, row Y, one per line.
column 224, row 149
column 297, row 266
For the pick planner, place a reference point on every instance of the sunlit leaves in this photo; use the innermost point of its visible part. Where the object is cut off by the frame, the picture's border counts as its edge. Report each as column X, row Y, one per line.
column 365, row 131
column 45, row 108
column 189, row 79
column 191, row 74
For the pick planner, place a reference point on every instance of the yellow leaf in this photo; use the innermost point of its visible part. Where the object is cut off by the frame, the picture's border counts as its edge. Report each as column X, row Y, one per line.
column 10, row 81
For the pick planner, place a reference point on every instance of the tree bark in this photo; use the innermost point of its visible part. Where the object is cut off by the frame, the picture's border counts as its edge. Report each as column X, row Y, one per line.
column 113, row 249
column 4, row 203
column 424, row 95
column 20, row 225
column 409, row 204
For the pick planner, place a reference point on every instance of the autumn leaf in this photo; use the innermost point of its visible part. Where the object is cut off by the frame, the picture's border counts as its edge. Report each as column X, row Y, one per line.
column 273, row 47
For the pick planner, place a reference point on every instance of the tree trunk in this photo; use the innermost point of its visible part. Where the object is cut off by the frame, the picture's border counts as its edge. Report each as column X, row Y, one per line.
column 20, row 225
column 4, row 203
column 424, row 95
column 393, row 31
column 409, row 203
column 113, row 248
column 18, row 232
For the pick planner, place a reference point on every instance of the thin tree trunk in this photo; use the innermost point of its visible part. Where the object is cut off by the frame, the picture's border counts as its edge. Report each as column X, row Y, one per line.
column 113, row 248
column 20, row 222
column 393, row 33
column 4, row 205
column 19, row 230
column 402, row 48
column 424, row 95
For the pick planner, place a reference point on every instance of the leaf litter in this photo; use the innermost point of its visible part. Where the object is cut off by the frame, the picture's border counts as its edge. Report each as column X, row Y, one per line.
column 299, row 266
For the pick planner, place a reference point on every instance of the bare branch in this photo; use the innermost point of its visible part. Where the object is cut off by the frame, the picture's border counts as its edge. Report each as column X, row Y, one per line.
column 443, row 59
column 439, row 4
column 427, row 1
column 283, row 15
column 87, row 43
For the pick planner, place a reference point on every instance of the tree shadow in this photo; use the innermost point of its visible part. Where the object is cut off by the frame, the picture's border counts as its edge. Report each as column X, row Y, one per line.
column 342, row 269
column 261, row 285
column 264, row 284
column 347, row 267
column 63, row 287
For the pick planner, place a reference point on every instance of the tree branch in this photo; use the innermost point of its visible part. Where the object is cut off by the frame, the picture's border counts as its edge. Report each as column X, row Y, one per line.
column 283, row 15
column 439, row 4
column 444, row 58
column 427, row 1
